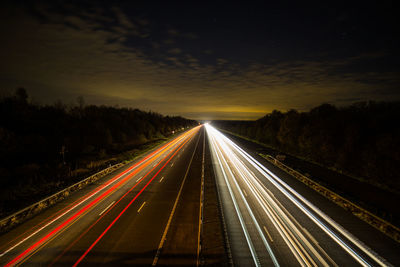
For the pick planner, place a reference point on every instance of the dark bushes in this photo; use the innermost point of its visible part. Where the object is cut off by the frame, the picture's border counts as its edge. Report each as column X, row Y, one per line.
column 362, row 139
column 45, row 146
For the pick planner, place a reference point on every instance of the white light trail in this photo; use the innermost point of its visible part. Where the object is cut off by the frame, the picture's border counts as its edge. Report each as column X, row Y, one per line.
column 293, row 237
column 243, row 225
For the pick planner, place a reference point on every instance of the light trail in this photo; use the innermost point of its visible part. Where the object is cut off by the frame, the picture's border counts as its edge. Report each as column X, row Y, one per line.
column 108, row 210
column 127, row 174
column 171, row 215
column 288, row 228
column 287, row 233
column 268, row 174
column 218, row 152
column 89, row 195
column 239, row 214
column 291, row 234
column 130, row 203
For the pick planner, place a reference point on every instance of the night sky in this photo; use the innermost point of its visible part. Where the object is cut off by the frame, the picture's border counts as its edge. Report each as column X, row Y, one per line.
column 198, row 60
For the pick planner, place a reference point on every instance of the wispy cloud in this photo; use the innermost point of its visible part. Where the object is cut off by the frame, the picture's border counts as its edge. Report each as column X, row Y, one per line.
column 84, row 54
column 175, row 51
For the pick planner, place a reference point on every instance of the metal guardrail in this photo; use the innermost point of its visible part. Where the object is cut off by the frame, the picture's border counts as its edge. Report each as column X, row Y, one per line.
column 22, row 215
column 375, row 221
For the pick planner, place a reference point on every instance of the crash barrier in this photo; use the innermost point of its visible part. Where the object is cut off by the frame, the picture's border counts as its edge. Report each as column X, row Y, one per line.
column 380, row 224
column 28, row 212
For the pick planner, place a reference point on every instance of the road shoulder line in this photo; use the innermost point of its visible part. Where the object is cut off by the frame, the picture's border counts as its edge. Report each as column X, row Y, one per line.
column 173, row 209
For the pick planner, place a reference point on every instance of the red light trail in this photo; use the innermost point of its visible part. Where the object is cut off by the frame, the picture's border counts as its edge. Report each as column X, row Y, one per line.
column 63, row 225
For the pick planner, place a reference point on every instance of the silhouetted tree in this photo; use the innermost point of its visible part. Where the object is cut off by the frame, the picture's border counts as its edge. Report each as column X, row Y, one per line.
column 21, row 95
column 32, row 136
column 362, row 139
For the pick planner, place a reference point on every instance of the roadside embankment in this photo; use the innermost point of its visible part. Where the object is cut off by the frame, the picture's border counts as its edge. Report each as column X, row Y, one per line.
column 378, row 200
column 26, row 213
column 380, row 224
column 123, row 159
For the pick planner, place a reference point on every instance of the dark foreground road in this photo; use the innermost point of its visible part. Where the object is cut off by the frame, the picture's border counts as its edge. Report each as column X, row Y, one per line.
column 273, row 220
column 150, row 213
column 144, row 214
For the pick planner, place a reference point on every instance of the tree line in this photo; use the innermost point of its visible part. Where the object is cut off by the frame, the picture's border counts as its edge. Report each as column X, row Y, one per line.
column 362, row 139
column 44, row 146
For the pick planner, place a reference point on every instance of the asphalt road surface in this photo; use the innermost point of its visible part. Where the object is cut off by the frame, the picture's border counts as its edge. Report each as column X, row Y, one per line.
column 150, row 213
column 133, row 217
column 269, row 223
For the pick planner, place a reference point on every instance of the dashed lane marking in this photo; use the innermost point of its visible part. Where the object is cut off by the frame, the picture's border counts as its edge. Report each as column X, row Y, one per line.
column 141, row 207
column 269, row 236
column 107, row 208
column 244, row 192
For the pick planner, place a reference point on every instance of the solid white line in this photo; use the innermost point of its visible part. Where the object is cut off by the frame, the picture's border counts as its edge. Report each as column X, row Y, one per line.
column 155, row 260
column 239, row 214
column 320, row 248
column 285, row 189
column 200, row 232
column 107, row 208
column 260, row 198
column 174, row 142
column 322, row 225
column 141, row 207
column 162, row 178
column 267, row 246
column 66, row 212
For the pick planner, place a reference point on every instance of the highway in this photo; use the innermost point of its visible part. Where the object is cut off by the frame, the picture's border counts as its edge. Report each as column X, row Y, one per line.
column 127, row 218
column 149, row 213
column 269, row 223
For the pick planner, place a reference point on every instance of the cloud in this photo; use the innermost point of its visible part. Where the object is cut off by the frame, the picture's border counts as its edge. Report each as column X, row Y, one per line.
column 172, row 32
column 169, row 41
column 175, row 51
column 143, row 22
column 63, row 56
column 191, row 36
column 221, row 61
column 123, row 19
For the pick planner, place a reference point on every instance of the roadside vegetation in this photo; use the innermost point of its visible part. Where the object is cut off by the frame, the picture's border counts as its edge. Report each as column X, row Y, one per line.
column 44, row 148
column 361, row 140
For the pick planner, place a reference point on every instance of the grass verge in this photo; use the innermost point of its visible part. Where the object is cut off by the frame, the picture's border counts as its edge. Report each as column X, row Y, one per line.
column 375, row 221
column 31, row 210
